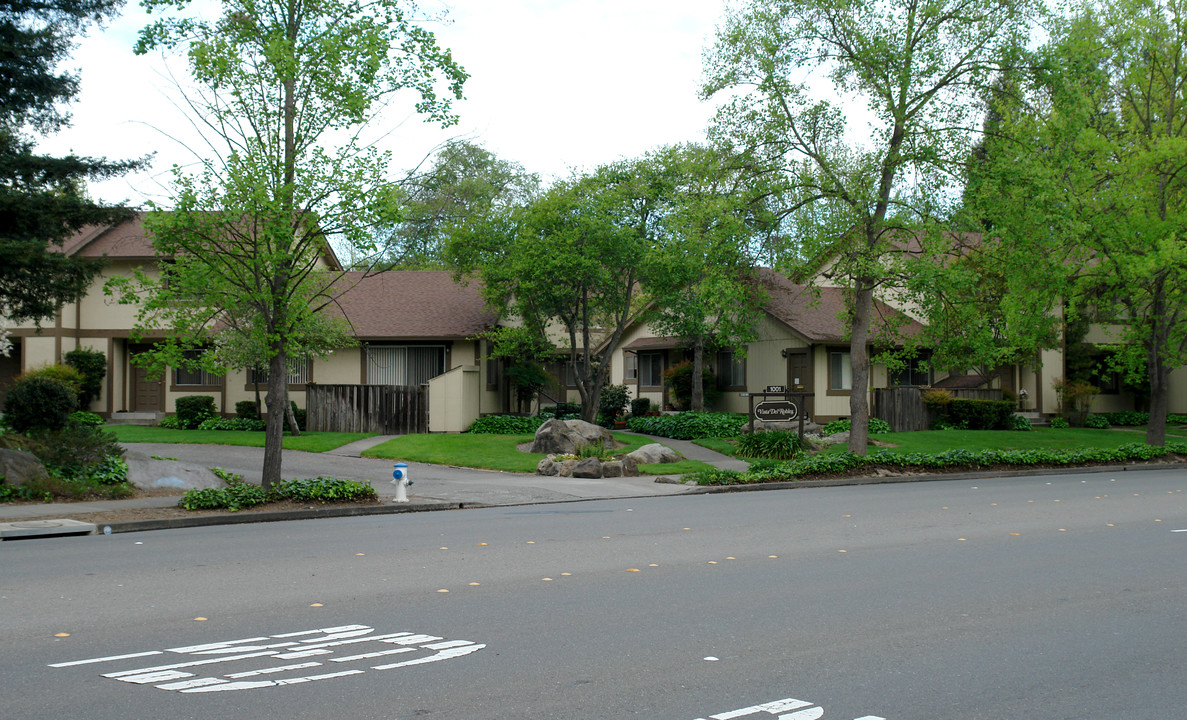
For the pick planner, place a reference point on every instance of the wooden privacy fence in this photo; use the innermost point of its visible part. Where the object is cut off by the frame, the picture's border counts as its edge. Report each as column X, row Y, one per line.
column 384, row 409
column 903, row 408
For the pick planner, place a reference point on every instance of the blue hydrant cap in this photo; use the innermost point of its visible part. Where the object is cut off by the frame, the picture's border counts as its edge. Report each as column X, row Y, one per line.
column 401, row 465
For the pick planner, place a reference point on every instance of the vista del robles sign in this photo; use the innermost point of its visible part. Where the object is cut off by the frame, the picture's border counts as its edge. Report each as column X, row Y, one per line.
column 776, row 411
column 784, row 406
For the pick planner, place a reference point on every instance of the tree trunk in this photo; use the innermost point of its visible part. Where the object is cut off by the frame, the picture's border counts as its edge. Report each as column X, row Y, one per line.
column 1159, row 396
column 290, row 414
column 859, row 358
column 698, row 375
column 274, row 432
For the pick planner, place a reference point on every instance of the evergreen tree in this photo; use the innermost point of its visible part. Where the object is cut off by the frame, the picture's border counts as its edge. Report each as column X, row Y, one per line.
column 43, row 199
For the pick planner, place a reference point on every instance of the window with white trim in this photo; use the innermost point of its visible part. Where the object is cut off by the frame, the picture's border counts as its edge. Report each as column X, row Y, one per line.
column 840, row 371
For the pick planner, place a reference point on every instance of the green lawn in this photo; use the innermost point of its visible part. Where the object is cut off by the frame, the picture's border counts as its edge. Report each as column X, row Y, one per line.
column 309, row 442
column 498, row 452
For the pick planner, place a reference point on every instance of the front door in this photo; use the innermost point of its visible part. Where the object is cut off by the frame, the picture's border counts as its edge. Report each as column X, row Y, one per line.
column 799, row 376
column 147, row 395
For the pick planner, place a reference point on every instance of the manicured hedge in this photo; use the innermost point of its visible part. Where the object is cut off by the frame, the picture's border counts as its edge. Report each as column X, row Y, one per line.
column 845, row 463
column 689, row 425
column 507, row 425
column 193, row 409
column 980, row 414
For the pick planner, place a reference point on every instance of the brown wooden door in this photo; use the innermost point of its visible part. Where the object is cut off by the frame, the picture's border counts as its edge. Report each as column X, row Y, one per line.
column 147, row 395
column 799, row 376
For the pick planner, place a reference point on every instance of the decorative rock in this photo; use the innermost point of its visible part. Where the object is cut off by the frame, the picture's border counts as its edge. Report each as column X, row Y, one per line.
column 566, row 468
column 565, row 437
column 612, row 468
column 588, row 468
column 630, row 468
column 19, row 468
column 654, row 453
column 547, row 466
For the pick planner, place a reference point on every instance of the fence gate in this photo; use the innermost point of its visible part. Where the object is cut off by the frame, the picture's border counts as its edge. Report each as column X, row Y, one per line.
column 903, row 408
column 384, row 409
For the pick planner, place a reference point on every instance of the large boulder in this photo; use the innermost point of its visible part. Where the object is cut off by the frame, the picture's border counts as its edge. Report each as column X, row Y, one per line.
column 564, row 437
column 654, row 453
column 18, row 468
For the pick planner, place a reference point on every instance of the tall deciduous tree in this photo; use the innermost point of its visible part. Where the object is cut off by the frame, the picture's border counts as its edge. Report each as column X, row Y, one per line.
column 1096, row 167
column 568, row 265
column 464, row 185
column 43, row 199
column 912, row 64
column 705, row 290
column 284, row 88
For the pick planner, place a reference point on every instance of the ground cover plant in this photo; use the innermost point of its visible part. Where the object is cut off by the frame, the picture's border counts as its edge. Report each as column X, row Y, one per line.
column 81, row 462
column 239, row 494
column 307, row 441
column 845, row 464
column 498, row 452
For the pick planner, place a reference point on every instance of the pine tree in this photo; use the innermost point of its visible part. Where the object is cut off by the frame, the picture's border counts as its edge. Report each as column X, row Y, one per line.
column 43, row 199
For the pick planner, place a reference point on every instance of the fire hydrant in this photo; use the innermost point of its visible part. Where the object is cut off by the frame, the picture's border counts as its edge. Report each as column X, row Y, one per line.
column 401, row 481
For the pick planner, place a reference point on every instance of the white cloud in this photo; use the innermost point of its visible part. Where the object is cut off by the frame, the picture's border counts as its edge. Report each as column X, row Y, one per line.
column 554, row 85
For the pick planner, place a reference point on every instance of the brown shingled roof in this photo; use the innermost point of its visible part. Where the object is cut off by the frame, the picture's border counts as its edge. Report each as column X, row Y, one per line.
column 818, row 318
column 414, row 304
column 122, row 240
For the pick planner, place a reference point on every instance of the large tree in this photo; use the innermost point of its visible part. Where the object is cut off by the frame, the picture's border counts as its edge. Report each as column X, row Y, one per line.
column 705, row 290
column 43, row 199
column 464, row 184
column 1094, row 169
column 283, row 88
column 567, row 267
column 912, row 66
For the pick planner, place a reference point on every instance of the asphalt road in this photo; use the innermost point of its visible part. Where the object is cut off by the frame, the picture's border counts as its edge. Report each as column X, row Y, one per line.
column 1048, row 598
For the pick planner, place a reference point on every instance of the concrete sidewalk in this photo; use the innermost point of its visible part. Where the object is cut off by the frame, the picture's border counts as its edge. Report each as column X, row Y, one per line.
column 184, row 467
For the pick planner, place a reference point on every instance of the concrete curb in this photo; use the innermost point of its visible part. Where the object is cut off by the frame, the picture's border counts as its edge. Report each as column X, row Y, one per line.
column 261, row 517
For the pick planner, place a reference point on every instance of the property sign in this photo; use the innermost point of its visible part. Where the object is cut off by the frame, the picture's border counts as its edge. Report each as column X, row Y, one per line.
column 776, row 410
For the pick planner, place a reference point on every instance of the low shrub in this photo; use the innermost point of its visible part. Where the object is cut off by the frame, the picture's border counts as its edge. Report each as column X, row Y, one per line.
column 81, row 417
column 39, row 403
column 239, row 494
column 1018, row 422
column 171, row 422
column 1059, row 423
column 612, row 403
column 689, row 425
column 91, row 365
column 192, row 410
column 235, row 423
column 233, row 497
column 1130, row 418
column 247, row 409
column 980, row 414
column 1097, row 422
column 565, row 411
column 770, row 445
column 73, row 449
column 640, row 406
column 323, row 489
column 876, row 426
column 506, row 425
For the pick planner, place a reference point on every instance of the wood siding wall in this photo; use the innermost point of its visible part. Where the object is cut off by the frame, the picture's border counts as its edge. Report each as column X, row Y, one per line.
column 903, row 408
column 384, row 409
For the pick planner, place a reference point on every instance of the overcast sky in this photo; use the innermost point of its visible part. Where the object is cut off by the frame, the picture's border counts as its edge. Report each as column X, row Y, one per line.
column 555, row 85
